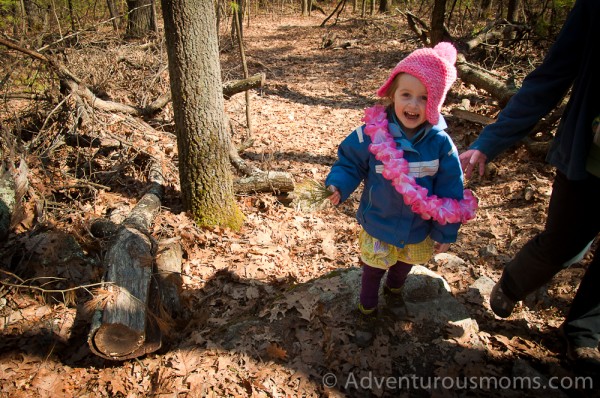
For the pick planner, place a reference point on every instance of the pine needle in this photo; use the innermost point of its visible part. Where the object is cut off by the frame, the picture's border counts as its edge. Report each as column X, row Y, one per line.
column 310, row 195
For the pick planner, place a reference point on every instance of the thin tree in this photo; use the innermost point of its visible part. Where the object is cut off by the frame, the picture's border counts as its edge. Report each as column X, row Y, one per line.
column 114, row 14
column 198, row 105
column 238, row 26
column 437, row 21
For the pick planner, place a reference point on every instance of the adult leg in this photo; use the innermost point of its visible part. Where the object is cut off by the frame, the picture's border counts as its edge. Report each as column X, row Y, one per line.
column 573, row 221
column 582, row 325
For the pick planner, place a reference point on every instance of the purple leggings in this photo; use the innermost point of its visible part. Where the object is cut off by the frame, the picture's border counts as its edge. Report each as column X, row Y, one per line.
column 371, row 279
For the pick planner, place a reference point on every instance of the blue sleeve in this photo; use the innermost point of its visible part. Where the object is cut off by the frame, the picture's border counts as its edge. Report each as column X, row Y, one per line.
column 448, row 183
column 541, row 91
column 352, row 165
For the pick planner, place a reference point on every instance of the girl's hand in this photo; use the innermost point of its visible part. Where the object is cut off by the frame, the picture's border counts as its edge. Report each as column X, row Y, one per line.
column 335, row 196
column 440, row 247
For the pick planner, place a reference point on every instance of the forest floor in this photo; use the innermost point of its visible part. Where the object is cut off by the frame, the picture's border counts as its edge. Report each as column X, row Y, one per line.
column 249, row 325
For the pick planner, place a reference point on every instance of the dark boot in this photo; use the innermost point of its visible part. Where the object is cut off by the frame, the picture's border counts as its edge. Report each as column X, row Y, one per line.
column 501, row 304
column 366, row 326
column 395, row 302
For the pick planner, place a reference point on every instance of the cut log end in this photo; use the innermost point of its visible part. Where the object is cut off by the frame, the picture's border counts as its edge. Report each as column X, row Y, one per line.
column 117, row 340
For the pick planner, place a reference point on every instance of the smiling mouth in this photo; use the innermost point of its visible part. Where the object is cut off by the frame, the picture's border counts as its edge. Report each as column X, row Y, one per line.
column 411, row 116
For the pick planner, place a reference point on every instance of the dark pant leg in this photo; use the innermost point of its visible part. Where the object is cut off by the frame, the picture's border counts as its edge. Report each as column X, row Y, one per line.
column 369, row 289
column 582, row 325
column 397, row 274
column 573, row 221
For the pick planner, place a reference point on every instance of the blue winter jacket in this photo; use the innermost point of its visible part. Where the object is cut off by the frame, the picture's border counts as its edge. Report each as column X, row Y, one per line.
column 572, row 61
column 433, row 161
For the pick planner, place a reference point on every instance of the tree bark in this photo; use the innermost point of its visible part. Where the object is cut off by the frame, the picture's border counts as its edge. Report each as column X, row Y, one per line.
column 7, row 201
column 198, row 107
column 140, row 21
column 500, row 91
column 114, row 14
column 385, row 6
column 437, row 22
column 168, row 275
column 125, row 327
column 14, row 183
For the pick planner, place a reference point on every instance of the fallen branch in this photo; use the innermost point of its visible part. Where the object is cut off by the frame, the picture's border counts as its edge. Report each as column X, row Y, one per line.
column 74, row 85
column 23, row 284
column 257, row 180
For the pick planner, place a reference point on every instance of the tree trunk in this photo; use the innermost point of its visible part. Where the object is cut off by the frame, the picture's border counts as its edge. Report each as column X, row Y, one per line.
column 385, row 6
column 437, row 22
column 485, row 7
column 245, row 69
column 512, row 14
column 198, row 107
column 31, row 12
column 114, row 14
column 140, row 21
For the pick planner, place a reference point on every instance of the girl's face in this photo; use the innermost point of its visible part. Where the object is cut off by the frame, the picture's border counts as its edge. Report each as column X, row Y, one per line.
column 410, row 100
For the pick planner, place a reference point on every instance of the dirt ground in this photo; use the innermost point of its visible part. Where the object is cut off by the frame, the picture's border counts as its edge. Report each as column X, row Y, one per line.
column 248, row 326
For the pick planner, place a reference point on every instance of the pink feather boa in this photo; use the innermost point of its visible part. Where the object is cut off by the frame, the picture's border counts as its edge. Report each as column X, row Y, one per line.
column 395, row 169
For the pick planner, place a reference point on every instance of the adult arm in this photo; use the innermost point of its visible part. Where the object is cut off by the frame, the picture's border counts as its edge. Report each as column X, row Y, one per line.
column 541, row 91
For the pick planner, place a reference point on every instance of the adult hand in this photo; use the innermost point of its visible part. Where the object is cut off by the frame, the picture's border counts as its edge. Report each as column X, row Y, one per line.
column 335, row 196
column 470, row 159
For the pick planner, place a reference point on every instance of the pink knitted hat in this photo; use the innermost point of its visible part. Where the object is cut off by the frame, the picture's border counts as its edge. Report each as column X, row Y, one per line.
column 434, row 67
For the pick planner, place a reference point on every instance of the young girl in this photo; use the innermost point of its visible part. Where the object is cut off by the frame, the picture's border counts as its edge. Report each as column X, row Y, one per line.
column 413, row 201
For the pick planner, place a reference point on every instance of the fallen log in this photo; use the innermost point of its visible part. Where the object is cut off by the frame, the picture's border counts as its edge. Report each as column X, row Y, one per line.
column 268, row 181
column 257, row 180
column 499, row 90
column 168, row 276
column 7, row 202
column 495, row 32
column 13, row 186
column 125, row 327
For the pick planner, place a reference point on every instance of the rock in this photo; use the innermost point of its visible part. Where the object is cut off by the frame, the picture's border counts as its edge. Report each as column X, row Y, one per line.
column 532, row 380
column 488, row 251
column 480, row 290
column 428, row 297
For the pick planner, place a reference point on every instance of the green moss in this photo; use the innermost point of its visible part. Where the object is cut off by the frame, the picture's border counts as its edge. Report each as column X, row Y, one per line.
column 226, row 217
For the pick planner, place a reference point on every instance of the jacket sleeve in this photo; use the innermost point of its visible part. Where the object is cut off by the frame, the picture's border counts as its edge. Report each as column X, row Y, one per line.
column 352, row 165
column 448, row 183
column 541, row 91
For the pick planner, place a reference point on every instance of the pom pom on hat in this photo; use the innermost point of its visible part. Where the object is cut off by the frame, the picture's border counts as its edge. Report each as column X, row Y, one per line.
column 434, row 67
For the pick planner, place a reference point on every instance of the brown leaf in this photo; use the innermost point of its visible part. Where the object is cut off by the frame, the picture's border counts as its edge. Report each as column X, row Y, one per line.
column 275, row 351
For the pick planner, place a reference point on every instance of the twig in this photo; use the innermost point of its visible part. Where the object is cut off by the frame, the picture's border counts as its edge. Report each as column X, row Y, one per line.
column 43, row 290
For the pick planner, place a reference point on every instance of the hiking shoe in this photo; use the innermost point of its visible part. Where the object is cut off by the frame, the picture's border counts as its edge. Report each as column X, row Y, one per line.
column 395, row 302
column 501, row 304
column 366, row 326
column 584, row 359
